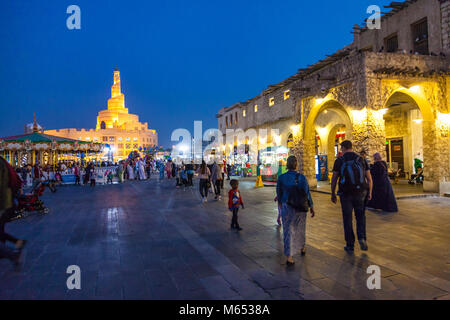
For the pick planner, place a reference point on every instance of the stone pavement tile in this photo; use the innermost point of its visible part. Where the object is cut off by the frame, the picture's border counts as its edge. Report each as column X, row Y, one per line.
column 337, row 255
column 274, row 264
column 267, row 280
column 131, row 263
column 244, row 263
column 346, row 274
column 195, row 295
column 161, row 285
column 109, row 267
column 166, row 291
column 186, row 281
column 54, row 292
column 174, row 265
column 57, row 277
column 335, row 289
column 109, row 287
column 135, row 287
column 320, row 295
column 285, row 294
column 202, row 269
column 82, row 294
column 11, row 279
column 413, row 289
column 218, row 288
column 298, row 284
column 242, row 283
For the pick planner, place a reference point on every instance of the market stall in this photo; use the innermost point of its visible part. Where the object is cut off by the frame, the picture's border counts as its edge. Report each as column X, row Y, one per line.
column 272, row 163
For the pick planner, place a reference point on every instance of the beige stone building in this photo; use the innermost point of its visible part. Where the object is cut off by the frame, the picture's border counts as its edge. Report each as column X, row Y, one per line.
column 115, row 126
column 388, row 92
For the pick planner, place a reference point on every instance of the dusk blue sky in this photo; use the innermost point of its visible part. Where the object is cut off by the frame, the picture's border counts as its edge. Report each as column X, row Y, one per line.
column 180, row 61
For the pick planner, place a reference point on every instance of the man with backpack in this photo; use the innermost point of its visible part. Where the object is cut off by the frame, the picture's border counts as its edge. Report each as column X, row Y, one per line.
column 355, row 183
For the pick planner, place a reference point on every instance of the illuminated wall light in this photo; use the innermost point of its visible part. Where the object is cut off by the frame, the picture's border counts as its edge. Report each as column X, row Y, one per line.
column 295, row 129
column 271, row 102
column 415, row 89
column 244, row 113
column 326, row 111
column 359, row 115
column 444, row 118
column 322, row 131
column 256, row 108
column 319, row 101
column 418, row 121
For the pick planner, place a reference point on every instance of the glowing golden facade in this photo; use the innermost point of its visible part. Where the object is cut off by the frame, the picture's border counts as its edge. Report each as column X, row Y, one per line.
column 116, row 127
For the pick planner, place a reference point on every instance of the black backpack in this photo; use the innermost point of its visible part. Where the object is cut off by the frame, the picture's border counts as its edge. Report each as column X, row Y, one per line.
column 352, row 175
column 298, row 199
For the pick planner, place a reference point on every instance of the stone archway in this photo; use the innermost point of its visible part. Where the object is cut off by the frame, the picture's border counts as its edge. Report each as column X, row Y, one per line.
column 435, row 144
column 324, row 118
column 403, row 129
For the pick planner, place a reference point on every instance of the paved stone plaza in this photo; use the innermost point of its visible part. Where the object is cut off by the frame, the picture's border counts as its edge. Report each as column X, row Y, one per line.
column 148, row 240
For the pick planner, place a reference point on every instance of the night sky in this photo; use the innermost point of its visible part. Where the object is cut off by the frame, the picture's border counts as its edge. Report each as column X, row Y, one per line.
column 180, row 61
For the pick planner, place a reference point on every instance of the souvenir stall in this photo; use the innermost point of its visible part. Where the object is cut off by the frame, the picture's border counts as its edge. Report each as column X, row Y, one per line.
column 272, row 163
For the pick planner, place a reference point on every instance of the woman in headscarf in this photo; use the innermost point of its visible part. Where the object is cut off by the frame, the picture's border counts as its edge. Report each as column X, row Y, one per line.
column 382, row 195
column 169, row 169
column 130, row 171
column 293, row 186
column 141, row 169
column 120, row 171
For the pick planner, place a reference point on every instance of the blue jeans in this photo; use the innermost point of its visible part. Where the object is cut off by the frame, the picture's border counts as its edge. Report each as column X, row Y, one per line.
column 350, row 202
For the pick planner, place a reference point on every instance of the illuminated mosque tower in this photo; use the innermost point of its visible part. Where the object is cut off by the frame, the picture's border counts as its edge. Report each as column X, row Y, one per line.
column 116, row 127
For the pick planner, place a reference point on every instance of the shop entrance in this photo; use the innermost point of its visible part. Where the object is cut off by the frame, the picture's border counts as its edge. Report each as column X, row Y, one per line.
column 403, row 122
column 395, row 155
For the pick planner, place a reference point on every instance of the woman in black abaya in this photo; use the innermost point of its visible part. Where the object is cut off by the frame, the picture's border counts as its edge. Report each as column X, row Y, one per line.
column 382, row 195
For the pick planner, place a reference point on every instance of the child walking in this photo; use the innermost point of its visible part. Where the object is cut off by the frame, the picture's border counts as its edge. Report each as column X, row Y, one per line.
column 234, row 202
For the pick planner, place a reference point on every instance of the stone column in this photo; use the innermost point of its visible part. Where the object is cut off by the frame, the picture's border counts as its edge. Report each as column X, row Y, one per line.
column 436, row 156
column 368, row 131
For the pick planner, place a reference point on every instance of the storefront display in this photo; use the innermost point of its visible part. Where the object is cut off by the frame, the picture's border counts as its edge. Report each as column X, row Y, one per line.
column 272, row 163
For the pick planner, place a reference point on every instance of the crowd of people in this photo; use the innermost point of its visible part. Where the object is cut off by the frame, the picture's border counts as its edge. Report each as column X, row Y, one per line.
column 359, row 186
